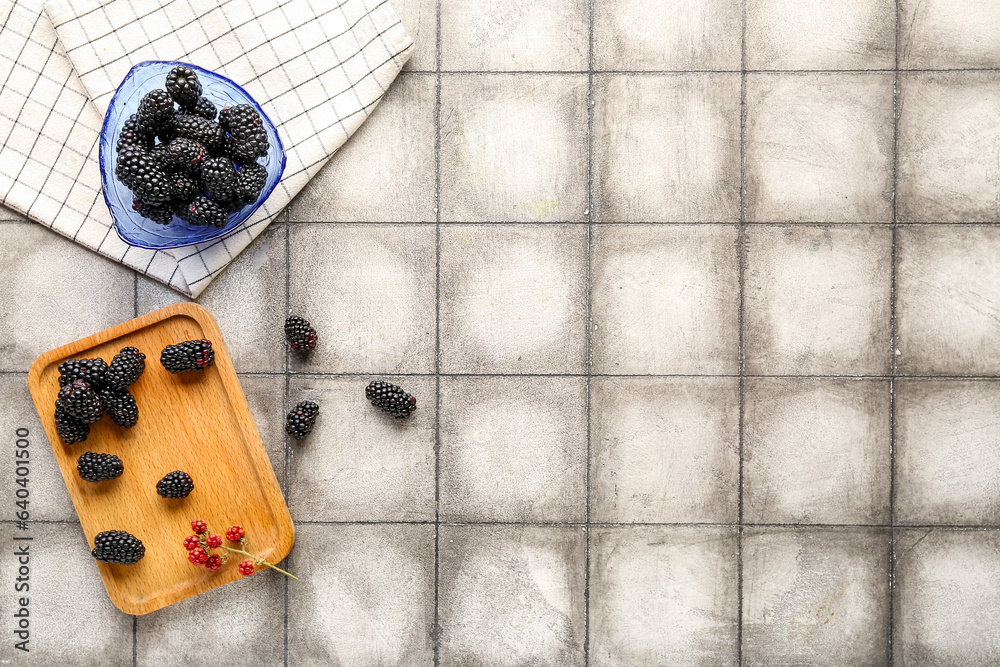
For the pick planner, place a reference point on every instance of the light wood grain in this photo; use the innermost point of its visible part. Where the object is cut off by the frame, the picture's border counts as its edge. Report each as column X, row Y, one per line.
column 198, row 422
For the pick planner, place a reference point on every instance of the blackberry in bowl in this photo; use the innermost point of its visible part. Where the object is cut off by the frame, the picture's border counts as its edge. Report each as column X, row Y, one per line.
column 186, row 156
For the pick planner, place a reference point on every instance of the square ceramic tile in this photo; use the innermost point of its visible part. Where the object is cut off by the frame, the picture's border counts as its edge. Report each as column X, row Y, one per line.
column 420, row 19
column 939, row 34
column 815, row 597
column 511, row 595
column 513, row 449
column 513, row 148
column 86, row 293
column 947, row 460
column 949, row 147
column 664, row 450
column 71, row 620
column 369, row 291
column 360, row 464
column 819, row 147
column 513, row 299
column 665, row 299
column 49, row 499
column 666, row 148
column 265, row 395
column 820, row 35
column 385, row 172
column 365, row 596
column 948, row 317
column 817, row 300
column 515, row 35
column 664, row 35
column 946, row 584
column 816, row 450
column 243, row 621
column 663, row 596
column 253, row 327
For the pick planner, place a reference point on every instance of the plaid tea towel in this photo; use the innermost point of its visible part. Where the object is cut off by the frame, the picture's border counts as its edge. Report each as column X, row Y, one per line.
column 317, row 69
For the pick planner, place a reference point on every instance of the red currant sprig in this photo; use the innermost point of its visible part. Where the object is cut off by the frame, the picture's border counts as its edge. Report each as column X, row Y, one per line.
column 199, row 546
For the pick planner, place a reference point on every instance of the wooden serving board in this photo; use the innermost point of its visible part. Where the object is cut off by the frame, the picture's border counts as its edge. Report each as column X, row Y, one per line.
column 198, row 422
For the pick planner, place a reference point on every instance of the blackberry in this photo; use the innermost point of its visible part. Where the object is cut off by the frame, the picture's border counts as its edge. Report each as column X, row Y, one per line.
column 119, row 404
column 205, row 211
column 161, row 214
column 78, row 399
column 118, row 546
column 125, row 368
column 204, row 108
column 300, row 334
column 158, row 154
column 131, row 136
column 390, row 399
column 177, row 484
column 183, row 188
column 184, row 86
column 99, row 467
column 250, row 181
column 219, row 177
column 205, row 132
column 183, row 153
column 156, row 109
column 246, row 140
column 70, row 429
column 91, row 371
column 191, row 355
column 138, row 170
column 300, row 421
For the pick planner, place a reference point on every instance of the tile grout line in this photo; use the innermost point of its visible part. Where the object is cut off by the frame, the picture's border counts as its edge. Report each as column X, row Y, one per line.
column 741, row 258
column 284, row 475
column 436, row 632
column 589, row 213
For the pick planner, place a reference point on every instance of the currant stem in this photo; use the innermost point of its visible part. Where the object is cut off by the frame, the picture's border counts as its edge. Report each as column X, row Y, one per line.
column 260, row 561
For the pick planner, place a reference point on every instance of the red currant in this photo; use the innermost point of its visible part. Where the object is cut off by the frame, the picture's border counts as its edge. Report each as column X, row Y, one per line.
column 213, row 563
column 198, row 556
column 246, row 568
column 213, row 541
column 190, row 542
column 234, row 534
column 199, row 526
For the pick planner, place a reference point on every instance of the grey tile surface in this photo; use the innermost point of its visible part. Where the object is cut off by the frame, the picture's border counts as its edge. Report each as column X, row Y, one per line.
column 365, row 596
column 420, row 19
column 666, row 148
column 264, row 394
column 803, row 161
column 665, row 300
column 513, row 449
column 512, row 595
column 664, row 596
column 817, row 300
column 816, row 451
column 665, row 450
column 815, row 597
column 948, row 316
column 938, row 34
column 947, row 585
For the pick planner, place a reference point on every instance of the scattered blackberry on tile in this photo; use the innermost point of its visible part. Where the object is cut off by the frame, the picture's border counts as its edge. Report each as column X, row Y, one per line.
column 218, row 176
column 119, row 404
column 250, row 181
column 99, row 467
column 138, row 170
column 70, row 429
column 161, row 214
column 207, row 212
column 390, row 399
column 78, row 399
column 125, row 368
column 204, row 108
column 177, row 484
column 205, row 132
column 191, row 355
column 183, row 153
column 184, row 86
column 156, row 111
column 131, row 136
column 300, row 334
column 300, row 421
column 91, row 371
column 118, row 546
column 246, row 140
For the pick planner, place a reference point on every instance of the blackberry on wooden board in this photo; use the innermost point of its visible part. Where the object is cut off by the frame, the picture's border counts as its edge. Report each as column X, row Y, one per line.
column 177, row 484
column 118, row 546
column 91, row 371
column 183, row 85
column 300, row 334
column 70, row 429
column 390, row 399
column 119, row 404
column 125, row 368
column 99, row 467
column 191, row 355
column 79, row 399
column 301, row 420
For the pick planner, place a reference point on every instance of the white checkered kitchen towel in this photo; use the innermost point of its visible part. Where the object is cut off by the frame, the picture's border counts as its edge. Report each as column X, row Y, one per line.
column 316, row 68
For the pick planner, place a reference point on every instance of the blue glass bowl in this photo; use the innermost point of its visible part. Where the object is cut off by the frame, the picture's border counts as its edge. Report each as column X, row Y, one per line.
column 142, row 232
